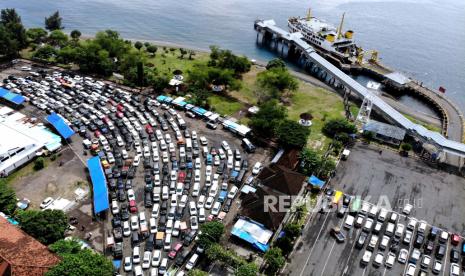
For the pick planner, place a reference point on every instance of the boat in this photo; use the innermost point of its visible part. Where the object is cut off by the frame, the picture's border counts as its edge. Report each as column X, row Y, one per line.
column 325, row 37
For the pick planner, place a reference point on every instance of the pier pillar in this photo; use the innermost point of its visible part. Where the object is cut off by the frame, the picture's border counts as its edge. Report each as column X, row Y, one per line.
column 260, row 37
column 284, row 49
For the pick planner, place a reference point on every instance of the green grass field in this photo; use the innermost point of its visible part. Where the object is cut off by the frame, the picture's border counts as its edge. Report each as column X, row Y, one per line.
column 223, row 105
column 322, row 104
column 167, row 61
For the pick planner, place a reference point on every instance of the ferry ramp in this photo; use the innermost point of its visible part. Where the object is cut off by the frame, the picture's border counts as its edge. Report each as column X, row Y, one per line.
column 450, row 151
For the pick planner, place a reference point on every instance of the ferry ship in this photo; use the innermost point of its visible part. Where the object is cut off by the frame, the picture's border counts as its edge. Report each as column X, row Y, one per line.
column 325, row 37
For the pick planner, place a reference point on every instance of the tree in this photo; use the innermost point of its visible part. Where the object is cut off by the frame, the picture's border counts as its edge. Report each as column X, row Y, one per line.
column 46, row 226
column 158, row 82
column 291, row 134
column 286, row 244
column 406, row 147
column 211, row 233
column 247, row 269
column 138, row 45
column 7, row 198
column 275, row 63
column 152, row 49
column 66, row 54
column 338, row 125
column 12, row 33
column 63, row 247
column 36, row 35
column 276, row 81
column 292, row 230
column 274, row 259
column 196, row 272
column 57, row 38
column 310, row 161
column 326, row 168
column 75, row 35
column 53, row 22
column 83, row 263
column 267, row 119
column 39, row 164
column 227, row 60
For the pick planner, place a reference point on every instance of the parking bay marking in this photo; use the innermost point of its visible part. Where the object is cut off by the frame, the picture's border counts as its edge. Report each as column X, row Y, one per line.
column 313, row 246
column 445, row 260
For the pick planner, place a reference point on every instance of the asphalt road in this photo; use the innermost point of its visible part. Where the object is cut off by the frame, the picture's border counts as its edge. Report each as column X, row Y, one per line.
column 436, row 196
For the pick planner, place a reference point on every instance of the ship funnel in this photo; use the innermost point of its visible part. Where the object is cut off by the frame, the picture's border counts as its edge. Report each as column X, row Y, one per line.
column 349, row 34
column 330, row 37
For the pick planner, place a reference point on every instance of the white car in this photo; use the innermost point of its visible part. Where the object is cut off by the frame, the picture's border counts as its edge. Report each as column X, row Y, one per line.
column 390, row 259
column 147, row 259
column 131, row 195
column 183, row 201
column 126, row 229
column 368, row 225
column 46, row 202
column 408, row 237
column 366, row 257
column 194, row 134
column 203, row 141
column 225, row 145
column 232, row 193
column 411, row 270
column 425, row 262
column 156, row 258
column 209, row 203
column 127, row 264
column 134, row 223
column 437, row 267
column 454, row 269
column 136, row 161
column 216, row 208
column 194, row 223
column 407, row 209
column 403, row 255
column 136, row 255
column 379, row 258
column 256, row 168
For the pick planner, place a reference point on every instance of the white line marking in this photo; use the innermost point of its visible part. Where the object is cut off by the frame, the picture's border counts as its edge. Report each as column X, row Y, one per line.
column 446, row 258
column 330, row 251
column 350, row 253
column 313, row 247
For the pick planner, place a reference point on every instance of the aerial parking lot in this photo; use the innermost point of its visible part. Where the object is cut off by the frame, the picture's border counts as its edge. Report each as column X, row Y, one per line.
column 168, row 171
column 407, row 221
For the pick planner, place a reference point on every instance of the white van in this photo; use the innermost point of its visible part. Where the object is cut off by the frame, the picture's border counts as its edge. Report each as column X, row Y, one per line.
column 114, row 207
column 163, row 266
column 188, row 143
column 169, row 226
column 136, row 255
column 192, row 261
column 349, row 222
column 165, row 193
column 390, row 229
column 176, row 227
column 196, row 189
column 192, row 208
column 167, row 244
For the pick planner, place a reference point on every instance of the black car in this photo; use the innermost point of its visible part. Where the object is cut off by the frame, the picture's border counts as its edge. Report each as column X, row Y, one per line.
column 220, row 168
column 433, row 233
column 440, row 251
column 227, row 205
column 148, row 199
column 165, row 169
column 124, row 211
column 179, row 213
column 163, row 207
column 118, row 234
column 346, row 200
column 121, row 195
column 116, row 221
column 128, row 184
column 181, row 258
column 361, row 240
column 113, row 195
column 149, row 243
column 420, row 239
column 429, row 246
column 135, row 239
column 454, row 255
column 112, row 184
column 337, row 234
column 118, row 250
column 189, row 237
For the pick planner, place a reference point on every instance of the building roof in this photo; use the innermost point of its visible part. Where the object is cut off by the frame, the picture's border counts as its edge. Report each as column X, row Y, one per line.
column 24, row 254
column 60, row 125
column 11, row 97
column 397, row 78
column 385, row 130
column 99, row 184
column 253, row 206
column 281, row 179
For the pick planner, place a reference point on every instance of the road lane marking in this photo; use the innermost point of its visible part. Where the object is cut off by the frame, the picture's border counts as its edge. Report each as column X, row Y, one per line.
column 332, row 247
column 384, row 272
column 364, row 270
column 313, row 246
column 446, row 257
column 350, row 253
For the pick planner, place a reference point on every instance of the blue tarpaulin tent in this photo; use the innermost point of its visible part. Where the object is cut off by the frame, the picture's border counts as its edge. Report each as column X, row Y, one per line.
column 315, row 181
column 60, row 125
column 199, row 111
column 99, row 184
column 252, row 232
column 11, row 97
column 161, row 98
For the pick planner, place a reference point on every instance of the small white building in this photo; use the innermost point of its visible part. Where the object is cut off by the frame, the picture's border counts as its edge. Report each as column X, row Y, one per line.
column 21, row 140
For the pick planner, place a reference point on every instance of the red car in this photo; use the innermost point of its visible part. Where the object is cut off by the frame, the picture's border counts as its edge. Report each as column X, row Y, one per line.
column 177, row 247
column 97, row 133
column 455, row 239
column 132, row 206
column 119, row 114
column 181, row 176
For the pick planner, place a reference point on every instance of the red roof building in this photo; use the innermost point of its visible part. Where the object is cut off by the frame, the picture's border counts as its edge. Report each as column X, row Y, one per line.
column 21, row 254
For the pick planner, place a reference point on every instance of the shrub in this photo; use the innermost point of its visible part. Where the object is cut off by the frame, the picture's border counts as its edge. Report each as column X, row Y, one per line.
column 39, row 163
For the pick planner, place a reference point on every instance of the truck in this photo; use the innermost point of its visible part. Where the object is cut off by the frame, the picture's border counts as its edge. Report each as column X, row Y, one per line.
column 159, row 240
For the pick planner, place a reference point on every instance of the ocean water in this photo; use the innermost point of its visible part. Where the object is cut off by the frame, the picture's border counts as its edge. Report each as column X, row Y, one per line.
column 423, row 39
